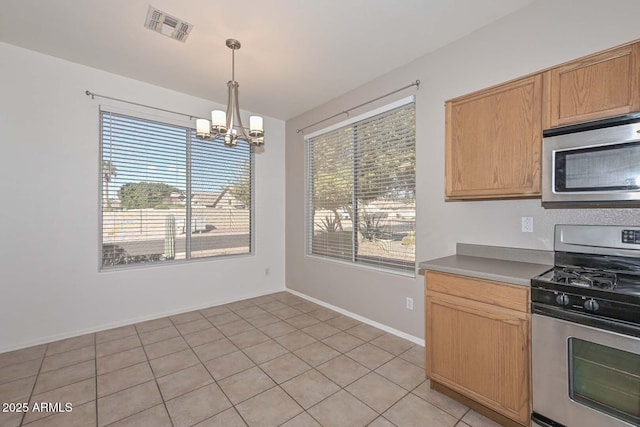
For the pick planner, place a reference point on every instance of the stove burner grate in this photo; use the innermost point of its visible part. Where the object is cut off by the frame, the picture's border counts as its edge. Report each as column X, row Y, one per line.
column 586, row 278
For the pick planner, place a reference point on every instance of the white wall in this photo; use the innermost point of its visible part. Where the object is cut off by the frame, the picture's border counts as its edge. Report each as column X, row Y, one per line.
column 546, row 33
column 50, row 286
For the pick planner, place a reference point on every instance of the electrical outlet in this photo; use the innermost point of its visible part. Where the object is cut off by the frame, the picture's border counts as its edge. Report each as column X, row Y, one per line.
column 527, row 224
column 409, row 303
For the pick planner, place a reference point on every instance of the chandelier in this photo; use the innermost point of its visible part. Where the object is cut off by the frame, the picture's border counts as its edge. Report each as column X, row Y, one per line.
column 229, row 125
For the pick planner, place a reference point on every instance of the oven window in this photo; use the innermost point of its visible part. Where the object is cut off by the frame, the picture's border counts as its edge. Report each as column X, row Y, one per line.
column 610, row 167
column 605, row 379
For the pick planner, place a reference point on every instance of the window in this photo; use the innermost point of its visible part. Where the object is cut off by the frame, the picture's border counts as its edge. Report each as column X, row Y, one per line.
column 361, row 189
column 167, row 195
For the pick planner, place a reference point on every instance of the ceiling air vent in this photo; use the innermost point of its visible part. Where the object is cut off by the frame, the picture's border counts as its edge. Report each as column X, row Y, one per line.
column 162, row 23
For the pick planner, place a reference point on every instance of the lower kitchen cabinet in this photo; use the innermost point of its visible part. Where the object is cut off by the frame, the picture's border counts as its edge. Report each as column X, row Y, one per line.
column 478, row 342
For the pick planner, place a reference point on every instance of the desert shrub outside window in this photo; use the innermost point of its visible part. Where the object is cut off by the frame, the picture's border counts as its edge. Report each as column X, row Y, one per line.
column 168, row 196
column 361, row 189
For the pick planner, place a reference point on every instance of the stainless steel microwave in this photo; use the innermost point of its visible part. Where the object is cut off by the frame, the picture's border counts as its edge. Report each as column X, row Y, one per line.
column 592, row 164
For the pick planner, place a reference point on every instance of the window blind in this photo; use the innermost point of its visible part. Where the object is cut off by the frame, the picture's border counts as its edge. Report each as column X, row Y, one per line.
column 361, row 191
column 167, row 195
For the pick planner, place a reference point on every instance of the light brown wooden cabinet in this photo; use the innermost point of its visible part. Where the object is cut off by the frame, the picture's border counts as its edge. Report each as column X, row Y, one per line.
column 493, row 142
column 602, row 85
column 478, row 342
column 494, row 136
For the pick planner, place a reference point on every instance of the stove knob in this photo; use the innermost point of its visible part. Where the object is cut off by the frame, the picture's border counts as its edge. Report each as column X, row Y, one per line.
column 591, row 305
column 563, row 299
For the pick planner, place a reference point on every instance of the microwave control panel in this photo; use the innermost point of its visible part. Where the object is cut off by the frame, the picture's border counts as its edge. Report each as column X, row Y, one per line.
column 631, row 236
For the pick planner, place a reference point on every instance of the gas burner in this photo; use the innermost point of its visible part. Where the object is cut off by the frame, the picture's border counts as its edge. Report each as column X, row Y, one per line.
column 596, row 274
column 586, row 278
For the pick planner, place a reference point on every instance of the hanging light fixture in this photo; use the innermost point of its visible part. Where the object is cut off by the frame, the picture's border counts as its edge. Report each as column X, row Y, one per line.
column 229, row 125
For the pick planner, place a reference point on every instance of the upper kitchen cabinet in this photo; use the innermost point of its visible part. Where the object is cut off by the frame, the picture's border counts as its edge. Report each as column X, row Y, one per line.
column 597, row 86
column 493, row 142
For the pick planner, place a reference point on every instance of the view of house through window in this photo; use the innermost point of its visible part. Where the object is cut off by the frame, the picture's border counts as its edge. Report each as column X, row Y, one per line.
column 361, row 190
column 167, row 195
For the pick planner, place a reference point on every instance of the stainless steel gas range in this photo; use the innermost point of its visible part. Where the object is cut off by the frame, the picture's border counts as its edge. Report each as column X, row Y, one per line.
column 586, row 330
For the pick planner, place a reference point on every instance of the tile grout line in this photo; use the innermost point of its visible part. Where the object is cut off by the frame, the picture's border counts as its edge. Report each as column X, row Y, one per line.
column 386, row 419
column 395, row 356
column 256, row 365
column 207, row 369
column 380, row 414
column 61, row 386
column 164, row 403
column 125, row 388
column 276, row 384
column 261, row 369
column 463, row 415
column 343, row 388
column 407, row 392
column 79, row 380
column 314, row 368
column 24, row 415
column 340, row 353
column 436, row 406
column 296, row 329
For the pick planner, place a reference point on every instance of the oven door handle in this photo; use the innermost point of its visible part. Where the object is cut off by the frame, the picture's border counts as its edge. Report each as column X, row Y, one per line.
column 594, row 321
column 544, row 421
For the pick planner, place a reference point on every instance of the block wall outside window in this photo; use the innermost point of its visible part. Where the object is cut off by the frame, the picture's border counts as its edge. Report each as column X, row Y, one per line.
column 168, row 196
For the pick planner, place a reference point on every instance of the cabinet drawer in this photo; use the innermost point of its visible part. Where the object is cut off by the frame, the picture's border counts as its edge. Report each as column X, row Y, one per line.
column 500, row 294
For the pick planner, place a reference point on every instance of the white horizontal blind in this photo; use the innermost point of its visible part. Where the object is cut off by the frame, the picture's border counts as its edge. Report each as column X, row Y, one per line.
column 168, row 196
column 221, row 188
column 361, row 191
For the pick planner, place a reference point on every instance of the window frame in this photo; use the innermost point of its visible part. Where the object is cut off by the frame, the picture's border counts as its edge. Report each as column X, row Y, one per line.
column 168, row 119
column 308, row 188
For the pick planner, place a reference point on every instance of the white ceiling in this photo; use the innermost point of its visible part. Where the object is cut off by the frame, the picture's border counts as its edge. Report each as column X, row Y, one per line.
column 295, row 55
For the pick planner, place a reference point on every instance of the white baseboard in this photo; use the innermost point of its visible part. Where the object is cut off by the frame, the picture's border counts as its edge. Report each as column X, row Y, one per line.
column 131, row 321
column 413, row 339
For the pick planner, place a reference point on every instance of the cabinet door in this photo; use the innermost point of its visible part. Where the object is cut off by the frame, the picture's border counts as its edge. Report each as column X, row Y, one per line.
column 480, row 351
column 598, row 86
column 493, row 142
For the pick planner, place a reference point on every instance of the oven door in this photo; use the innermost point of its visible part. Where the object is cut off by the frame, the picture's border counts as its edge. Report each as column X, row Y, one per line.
column 584, row 376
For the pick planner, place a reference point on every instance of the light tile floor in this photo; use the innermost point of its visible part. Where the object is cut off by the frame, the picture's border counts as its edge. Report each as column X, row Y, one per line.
column 275, row 360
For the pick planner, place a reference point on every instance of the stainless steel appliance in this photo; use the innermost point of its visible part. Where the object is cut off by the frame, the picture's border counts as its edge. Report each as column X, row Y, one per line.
column 586, row 330
column 592, row 164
